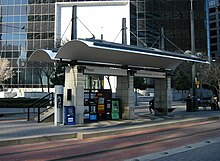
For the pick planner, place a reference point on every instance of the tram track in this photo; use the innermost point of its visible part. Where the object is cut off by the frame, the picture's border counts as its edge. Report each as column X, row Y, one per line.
column 134, row 145
column 79, row 150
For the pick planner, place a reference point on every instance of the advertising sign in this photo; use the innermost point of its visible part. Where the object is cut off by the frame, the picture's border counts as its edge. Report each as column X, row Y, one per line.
column 115, row 109
column 59, row 100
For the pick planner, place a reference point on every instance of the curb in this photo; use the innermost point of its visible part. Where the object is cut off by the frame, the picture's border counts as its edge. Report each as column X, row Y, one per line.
column 37, row 139
column 89, row 135
column 101, row 133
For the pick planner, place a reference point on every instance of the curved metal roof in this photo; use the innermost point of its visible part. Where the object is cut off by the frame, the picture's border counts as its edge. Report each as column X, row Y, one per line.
column 118, row 54
column 42, row 55
column 105, row 52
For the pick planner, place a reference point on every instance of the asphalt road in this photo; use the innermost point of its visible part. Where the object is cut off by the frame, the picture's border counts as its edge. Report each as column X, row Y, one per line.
column 158, row 144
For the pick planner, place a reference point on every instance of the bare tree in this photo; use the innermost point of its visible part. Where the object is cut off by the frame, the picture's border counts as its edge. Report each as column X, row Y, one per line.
column 211, row 77
column 46, row 69
column 5, row 70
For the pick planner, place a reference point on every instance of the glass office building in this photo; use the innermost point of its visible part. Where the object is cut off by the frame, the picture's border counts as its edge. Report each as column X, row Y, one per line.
column 28, row 25
column 214, row 17
column 150, row 16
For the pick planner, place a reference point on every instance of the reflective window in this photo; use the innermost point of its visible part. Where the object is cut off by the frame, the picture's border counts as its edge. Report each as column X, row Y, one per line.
column 24, row 1
column 4, row 2
column 17, row 10
column 11, row 1
column 23, row 19
column 24, row 10
column 16, row 19
column 4, row 10
column 10, row 18
column 10, row 10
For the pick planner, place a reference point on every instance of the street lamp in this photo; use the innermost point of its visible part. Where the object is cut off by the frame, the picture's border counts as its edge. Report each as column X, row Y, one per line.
column 193, row 49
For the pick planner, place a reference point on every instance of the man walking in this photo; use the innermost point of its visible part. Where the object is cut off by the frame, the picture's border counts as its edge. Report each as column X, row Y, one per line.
column 151, row 107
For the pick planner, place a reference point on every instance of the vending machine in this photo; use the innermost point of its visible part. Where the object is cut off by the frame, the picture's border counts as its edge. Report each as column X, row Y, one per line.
column 115, row 109
column 101, row 108
column 108, row 111
column 93, row 113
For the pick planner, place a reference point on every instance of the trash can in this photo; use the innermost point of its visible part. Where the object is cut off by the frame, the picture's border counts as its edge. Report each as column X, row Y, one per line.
column 189, row 107
column 69, row 115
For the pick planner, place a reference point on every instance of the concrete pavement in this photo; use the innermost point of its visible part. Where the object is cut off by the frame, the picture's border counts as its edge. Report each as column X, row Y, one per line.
column 15, row 132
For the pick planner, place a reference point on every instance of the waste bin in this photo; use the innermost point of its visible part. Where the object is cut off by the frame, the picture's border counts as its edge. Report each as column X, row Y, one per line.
column 189, row 106
column 69, row 115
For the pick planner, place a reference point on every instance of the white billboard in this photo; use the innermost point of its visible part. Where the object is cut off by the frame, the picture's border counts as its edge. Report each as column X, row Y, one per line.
column 93, row 18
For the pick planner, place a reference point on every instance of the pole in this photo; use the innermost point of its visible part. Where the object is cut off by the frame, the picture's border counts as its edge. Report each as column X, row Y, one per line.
column 162, row 39
column 193, row 49
column 74, row 23
column 124, row 34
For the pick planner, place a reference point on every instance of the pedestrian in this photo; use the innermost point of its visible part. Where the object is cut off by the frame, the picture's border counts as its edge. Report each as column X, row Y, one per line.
column 151, row 107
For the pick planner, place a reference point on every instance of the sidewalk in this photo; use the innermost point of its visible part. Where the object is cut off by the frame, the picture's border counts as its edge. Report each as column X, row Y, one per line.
column 15, row 132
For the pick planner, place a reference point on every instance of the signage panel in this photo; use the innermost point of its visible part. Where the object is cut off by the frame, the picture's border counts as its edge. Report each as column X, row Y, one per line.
column 150, row 74
column 105, row 71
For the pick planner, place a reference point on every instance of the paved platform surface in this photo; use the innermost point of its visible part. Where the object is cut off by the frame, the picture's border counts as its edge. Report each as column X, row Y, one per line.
column 20, row 131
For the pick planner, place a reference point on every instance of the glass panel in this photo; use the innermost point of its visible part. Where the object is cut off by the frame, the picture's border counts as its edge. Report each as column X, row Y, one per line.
column 23, row 19
column 36, row 44
column 37, row 18
column 10, row 18
column 17, row 19
column 9, row 37
column 11, row 1
column 17, row 10
column 37, row 27
column 30, row 45
column 44, row 26
column 24, row 1
column 8, row 54
column 30, row 18
column 45, row 18
column 31, row 1
column 51, row 17
column 24, row 10
column 22, row 76
column 37, row 9
column 37, row 36
column 4, row 2
column 15, row 36
column 23, row 36
column 35, row 77
column 29, row 75
column 4, row 10
column 30, row 27
column 45, row 9
column 10, row 10
column 51, row 26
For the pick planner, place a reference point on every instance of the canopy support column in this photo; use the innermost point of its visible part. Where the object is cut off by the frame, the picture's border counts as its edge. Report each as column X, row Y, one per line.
column 74, row 92
column 125, row 91
column 163, row 96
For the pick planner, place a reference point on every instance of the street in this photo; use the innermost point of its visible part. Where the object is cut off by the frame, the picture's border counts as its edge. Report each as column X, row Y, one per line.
column 124, row 146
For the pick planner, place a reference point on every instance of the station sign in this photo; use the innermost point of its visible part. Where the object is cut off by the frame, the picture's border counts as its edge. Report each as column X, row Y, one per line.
column 105, row 71
column 150, row 74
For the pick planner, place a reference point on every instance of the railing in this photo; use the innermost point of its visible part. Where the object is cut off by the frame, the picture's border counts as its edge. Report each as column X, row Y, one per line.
column 47, row 100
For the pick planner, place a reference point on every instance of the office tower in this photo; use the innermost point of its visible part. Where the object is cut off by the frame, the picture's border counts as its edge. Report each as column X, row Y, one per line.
column 214, row 8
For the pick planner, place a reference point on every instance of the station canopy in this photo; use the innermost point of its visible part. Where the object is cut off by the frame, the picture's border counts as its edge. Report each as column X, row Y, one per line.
column 99, row 52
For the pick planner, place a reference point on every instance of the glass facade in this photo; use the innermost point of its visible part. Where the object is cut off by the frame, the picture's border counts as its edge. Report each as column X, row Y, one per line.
column 214, row 18
column 174, row 17
column 28, row 25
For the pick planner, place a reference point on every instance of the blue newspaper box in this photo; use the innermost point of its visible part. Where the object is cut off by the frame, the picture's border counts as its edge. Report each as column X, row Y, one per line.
column 69, row 115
